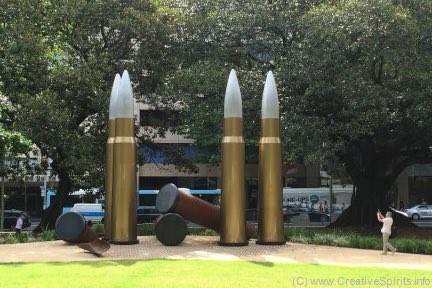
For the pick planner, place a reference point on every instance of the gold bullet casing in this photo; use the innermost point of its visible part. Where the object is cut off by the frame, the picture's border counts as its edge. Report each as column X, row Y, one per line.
column 233, row 218
column 109, row 180
column 124, row 216
column 270, row 224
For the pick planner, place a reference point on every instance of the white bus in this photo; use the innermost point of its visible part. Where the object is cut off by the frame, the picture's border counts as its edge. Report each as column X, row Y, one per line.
column 311, row 199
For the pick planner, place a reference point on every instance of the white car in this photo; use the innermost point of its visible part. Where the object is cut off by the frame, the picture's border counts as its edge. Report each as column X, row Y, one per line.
column 419, row 211
column 90, row 211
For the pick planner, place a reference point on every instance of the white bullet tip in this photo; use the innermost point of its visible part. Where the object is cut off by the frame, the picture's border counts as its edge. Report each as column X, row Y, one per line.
column 125, row 103
column 232, row 103
column 114, row 96
column 270, row 102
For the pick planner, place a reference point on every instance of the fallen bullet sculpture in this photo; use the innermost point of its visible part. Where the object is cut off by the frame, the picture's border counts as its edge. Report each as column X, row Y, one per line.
column 71, row 227
column 171, row 199
column 170, row 229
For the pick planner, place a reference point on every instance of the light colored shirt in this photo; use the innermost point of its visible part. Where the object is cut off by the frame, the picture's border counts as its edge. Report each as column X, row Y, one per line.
column 387, row 224
column 19, row 223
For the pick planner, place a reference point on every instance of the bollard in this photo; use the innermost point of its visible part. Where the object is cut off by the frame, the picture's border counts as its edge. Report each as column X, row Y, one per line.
column 172, row 200
column 170, row 229
column 71, row 227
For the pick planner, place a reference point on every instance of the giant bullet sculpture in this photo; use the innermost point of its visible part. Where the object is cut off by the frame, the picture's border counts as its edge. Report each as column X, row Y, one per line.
column 170, row 229
column 171, row 199
column 72, row 228
column 233, row 218
column 110, row 158
column 270, row 223
column 124, row 218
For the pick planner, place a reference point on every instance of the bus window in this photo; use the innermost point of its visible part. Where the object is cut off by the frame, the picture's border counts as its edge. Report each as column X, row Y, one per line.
column 147, row 200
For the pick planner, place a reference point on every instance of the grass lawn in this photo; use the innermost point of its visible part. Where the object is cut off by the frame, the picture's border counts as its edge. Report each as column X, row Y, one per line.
column 197, row 273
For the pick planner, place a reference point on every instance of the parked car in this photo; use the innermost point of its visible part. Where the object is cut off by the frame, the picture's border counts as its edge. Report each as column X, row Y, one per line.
column 147, row 215
column 419, row 211
column 316, row 216
column 10, row 219
column 92, row 212
column 403, row 213
column 298, row 208
column 289, row 213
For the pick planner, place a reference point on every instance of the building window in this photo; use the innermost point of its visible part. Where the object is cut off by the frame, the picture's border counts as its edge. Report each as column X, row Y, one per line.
column 166, row 151
column 159, row 118
column 194, row 183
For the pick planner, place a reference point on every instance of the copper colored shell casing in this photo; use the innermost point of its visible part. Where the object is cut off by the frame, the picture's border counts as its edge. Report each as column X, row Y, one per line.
column 233, row 204
column 270, row 224
column 109, row 179
column 124, row 216
column 172, row 200
column 72, row 228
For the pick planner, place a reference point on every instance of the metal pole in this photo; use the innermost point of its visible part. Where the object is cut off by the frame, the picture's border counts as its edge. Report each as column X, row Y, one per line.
column 25, row 196
column 331, row 199
column 2, row 204
column 44, row 193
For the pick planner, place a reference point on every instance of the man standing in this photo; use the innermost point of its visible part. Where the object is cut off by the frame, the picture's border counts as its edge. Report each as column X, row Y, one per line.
column 386, row 231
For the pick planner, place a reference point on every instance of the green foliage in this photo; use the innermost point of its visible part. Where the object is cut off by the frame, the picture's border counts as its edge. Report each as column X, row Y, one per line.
column 352, row 77
column 341, row 238
column 25, row 237
column 145, row 229
column 58, row 61
column 202, row 231
column 47, row 235
column 98, row 229
column 12, row 143
column 9, row 239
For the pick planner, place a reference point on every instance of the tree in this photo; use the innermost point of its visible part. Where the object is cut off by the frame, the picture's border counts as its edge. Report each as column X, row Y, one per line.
column 359, row 84
column 58, row 63
column 12, row 144
column 352, row 75
column 214, row 37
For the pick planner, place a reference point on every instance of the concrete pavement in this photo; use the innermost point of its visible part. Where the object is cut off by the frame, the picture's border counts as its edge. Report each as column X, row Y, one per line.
column 205, row 247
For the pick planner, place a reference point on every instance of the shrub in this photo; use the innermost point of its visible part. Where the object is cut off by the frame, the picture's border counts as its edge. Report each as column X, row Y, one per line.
column 8, row 239
column 301, row 239
column 146, row 229
column 99, row 229
column 366, row 242
column 48, row 235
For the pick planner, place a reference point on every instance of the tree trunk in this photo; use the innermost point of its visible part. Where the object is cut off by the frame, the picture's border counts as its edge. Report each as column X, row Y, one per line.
column 2, row 204
column 50, row 215
column 372, row 194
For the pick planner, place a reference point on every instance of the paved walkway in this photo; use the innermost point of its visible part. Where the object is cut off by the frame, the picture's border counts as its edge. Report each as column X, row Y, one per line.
column 205, row 247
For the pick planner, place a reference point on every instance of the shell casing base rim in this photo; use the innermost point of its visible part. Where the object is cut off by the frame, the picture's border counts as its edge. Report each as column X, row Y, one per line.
column 263, row 242
column 131, row 242
column 233, row 243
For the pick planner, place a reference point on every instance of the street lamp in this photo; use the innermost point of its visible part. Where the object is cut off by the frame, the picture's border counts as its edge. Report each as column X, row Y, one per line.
column 46, row 177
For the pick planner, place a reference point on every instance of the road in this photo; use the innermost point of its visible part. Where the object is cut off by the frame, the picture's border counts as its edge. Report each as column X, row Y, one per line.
column 423, row 223
column 301, row 220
